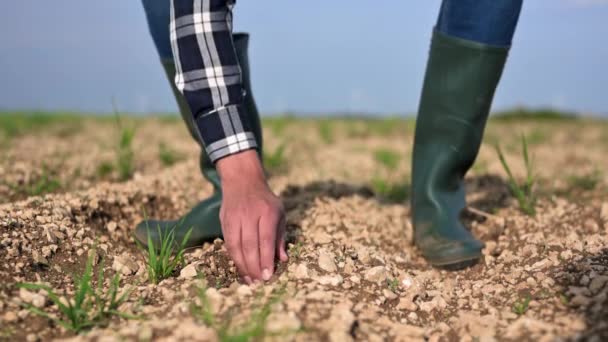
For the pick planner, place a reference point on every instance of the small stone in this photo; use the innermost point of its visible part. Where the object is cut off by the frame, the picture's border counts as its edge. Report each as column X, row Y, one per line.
column 322, row 238
column 10, row 317
column 363, row 256
column 598, row 283
column 408, row 332
column 390, row 295
column 566, row 255
column 188, row 272
column 282, row 323
column 407, row 282
column 376, row 274
column 46, row 251
column 112, row 226
column 437, row 303
column 327, row 263
column 405, row 304
column 302, row 272
column 334, row 280
column 145, row 334
column 125, row 265
column 39, row 259
column 244, row 291
column 580, row 300
column 35, row 299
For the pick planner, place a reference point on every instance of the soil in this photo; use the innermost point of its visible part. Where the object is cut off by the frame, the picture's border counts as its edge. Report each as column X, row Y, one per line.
column 353, row 273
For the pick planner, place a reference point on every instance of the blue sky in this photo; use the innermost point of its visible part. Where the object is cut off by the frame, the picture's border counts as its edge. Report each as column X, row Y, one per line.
column 307, row 56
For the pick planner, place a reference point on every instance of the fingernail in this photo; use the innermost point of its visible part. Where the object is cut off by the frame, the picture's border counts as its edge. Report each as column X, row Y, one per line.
column 266, row 274
column 247, row 280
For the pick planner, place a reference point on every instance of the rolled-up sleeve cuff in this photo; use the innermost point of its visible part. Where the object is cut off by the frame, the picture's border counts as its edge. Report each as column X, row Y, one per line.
column 225, row 131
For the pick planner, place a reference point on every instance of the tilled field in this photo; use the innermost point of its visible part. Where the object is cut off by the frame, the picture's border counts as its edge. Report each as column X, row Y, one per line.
column 353, row 273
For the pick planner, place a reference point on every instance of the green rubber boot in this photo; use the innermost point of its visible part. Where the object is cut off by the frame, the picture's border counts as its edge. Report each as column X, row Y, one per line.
column 459, row 85
column 204, row 217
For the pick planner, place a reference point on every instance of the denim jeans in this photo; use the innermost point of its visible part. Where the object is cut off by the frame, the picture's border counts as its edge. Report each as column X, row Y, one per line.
column 490, row 22
column 158, row 13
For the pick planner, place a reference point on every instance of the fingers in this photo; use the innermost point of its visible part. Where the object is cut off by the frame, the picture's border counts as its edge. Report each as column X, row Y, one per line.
column 250, row 248
column 267, row 235
column 232, row 237
column 280, row 242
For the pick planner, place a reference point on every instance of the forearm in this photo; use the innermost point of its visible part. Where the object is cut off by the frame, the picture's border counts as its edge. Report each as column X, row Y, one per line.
column 209, row 76
column 241, row 169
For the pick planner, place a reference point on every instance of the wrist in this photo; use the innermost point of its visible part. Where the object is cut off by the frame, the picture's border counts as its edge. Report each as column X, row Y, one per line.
column 241, row 167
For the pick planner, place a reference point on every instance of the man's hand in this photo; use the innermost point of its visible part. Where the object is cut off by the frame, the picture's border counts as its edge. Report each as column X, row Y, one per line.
column 252, row 217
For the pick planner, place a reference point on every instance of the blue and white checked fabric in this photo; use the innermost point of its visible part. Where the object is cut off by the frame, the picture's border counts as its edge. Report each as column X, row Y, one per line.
column 209, row 76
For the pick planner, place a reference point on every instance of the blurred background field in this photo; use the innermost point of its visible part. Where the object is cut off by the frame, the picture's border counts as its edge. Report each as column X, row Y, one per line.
column 46, row 152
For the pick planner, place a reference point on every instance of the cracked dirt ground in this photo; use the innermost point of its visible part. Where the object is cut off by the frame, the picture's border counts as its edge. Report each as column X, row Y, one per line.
column 353, row 273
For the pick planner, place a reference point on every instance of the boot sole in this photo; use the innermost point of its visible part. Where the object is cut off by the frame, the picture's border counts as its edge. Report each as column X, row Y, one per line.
column 457, row 263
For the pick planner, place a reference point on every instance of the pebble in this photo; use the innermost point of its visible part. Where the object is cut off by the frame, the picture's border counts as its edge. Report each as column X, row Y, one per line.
column 598, row 283
column 282, row 323
column 406, row 304
column 188, row 272
column 333, row 280
column 33, row 298
column 390, row 295
column 376, row 274
column 326, row 262
column 125, row 265
column 244, row 291
column 580, row 300
column 9, row 317
column 302, row 272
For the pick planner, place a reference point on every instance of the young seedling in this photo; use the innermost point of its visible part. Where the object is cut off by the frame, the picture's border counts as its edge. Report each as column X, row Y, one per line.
column 521, row 306
column 326, row 131
column 524, row 193
column 586, row 182
column 166, row 155
column 253, row 329
column 89, row 306
column 104, row 169
column 563, row 299
column 296, row 250
column 124, row 149
column 44, row 184
column 278, row 124
column 393, row 284
column 393, row 192
column 388, row 158
column 107, row 303
column 6, row 333
column 163, row 260
column 275, row 161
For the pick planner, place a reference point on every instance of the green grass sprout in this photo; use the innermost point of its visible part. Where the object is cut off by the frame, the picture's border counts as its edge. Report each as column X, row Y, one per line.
column 524, row 193
column 89, row 306
column 163, row 260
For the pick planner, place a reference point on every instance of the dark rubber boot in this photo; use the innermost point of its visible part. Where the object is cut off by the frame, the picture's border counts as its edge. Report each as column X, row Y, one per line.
column 459, row 85
column 204, row 217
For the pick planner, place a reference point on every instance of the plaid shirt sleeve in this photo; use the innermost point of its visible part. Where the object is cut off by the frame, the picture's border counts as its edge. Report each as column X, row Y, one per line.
column 209, row 76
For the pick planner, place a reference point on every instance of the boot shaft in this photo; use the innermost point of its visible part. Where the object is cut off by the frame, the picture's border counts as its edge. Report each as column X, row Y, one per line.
column 460, row 81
